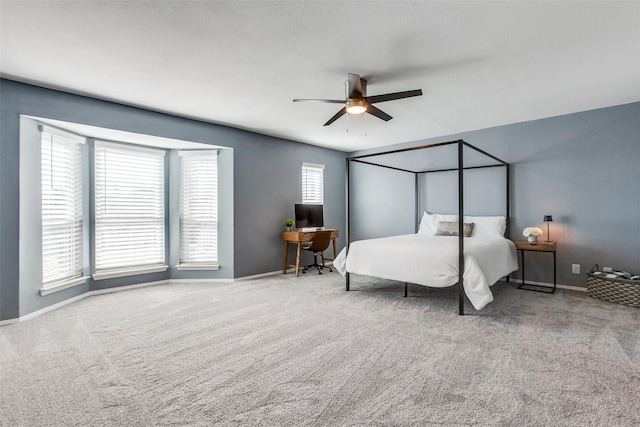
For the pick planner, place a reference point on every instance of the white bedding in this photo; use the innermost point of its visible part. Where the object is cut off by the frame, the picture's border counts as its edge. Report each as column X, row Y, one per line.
column 433, row 261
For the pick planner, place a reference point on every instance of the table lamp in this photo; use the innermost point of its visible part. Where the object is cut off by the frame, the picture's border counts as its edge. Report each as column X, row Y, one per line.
column 548, row 219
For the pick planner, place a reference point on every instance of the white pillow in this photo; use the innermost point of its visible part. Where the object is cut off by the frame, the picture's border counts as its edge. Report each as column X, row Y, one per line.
column 487, row 226
column 429, row 222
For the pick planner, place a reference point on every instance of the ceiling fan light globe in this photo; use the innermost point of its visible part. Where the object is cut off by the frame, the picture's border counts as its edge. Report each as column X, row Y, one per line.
column 356, row 106
column 357, row 109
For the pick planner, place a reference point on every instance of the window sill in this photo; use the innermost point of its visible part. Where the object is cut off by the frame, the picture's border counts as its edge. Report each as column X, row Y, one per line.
column 129, row 271
column 65, row 284
column 193, row 267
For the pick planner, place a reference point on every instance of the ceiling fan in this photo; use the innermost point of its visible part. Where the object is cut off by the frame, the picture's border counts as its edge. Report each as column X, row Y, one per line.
column 357, row 101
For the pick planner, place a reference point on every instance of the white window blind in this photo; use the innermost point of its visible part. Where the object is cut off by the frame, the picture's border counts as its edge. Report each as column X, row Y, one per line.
column 129, row 206
column 312, row 184
column 199, row 207
column 62, row 239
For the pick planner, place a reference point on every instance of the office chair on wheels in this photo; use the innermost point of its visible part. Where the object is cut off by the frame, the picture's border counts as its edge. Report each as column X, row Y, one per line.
column 319, row 244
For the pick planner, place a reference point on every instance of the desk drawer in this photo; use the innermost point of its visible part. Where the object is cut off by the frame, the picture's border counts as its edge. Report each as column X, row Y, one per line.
column 304, row 236
column 297, row 236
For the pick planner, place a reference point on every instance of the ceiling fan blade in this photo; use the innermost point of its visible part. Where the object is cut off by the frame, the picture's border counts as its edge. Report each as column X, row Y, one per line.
column 328, row 101
column 336, row 116
column 393, row 96
column 356, row 87
column 374, row 111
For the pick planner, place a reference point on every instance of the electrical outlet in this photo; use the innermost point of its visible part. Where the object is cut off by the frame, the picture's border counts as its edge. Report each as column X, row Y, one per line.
column 575, row 268
column 607, row 269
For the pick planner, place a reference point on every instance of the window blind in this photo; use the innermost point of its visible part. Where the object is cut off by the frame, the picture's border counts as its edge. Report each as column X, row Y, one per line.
column 199, row 207
column 312, row 183
column 129, row 206
column 62, row 222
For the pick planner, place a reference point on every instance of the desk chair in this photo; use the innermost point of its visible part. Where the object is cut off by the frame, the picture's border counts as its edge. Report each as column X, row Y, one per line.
column 319, row 244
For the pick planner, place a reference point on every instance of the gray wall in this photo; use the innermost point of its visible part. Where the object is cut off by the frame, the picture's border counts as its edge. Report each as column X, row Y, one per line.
column 382, row 202
column 582, row 168
column 265, row 174
column 484, row 191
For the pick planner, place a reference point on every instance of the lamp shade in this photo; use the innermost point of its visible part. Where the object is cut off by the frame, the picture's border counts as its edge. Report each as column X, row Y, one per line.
column 548, row 219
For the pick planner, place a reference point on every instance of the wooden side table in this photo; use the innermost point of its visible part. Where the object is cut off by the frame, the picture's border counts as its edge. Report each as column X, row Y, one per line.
column 549, row 247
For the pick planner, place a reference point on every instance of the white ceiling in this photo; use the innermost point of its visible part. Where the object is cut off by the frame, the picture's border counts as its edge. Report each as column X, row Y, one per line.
column 479, row 64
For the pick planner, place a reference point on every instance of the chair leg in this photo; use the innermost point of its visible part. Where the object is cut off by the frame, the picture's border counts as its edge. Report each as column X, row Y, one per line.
column 316, row 265
column 315, row 262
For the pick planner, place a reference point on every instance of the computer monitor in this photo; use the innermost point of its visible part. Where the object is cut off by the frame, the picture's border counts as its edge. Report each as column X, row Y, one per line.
column 309, row 215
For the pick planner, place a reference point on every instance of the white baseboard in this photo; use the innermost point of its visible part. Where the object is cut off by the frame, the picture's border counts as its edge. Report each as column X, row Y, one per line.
column 127, row 288
column 550, row 285
column 571, row 288
column 257, row 276
column 185, row 281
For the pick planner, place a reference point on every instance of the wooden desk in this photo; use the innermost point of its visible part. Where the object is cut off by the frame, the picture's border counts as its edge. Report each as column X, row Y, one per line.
column 299, row 237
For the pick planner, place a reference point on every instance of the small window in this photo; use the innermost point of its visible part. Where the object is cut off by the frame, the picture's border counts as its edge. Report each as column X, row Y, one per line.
column 312, row 184
column 198, row 209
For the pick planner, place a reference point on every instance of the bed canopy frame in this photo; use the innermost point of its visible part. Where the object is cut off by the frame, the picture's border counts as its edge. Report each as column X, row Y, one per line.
column 460, row 168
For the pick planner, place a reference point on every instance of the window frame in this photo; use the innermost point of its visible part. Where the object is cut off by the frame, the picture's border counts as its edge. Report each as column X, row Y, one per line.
column 159, row 264
column 312, row 192
column 71, row 209
column 190, row 261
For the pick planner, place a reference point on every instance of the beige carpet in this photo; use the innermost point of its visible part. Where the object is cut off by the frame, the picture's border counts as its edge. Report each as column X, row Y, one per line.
column 282, row 351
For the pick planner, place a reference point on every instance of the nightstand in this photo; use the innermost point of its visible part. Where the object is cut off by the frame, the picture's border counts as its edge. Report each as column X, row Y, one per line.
column 549, row 247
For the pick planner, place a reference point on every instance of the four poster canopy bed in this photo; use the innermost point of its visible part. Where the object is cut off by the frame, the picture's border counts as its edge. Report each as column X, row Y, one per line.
column 472, row 252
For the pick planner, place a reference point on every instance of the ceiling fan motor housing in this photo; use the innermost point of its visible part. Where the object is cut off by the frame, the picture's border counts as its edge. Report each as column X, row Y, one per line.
column 355, row 87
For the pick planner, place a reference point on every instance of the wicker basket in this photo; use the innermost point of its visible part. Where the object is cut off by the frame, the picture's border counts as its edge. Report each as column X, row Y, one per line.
column 622, row 291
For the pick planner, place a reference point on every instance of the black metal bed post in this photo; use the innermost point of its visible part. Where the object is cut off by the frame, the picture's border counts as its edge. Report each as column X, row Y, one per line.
column 460, row 229
column 417, row 217
column 507, row 233
column 416, row 176
column 508, row 210
column 348, row 219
